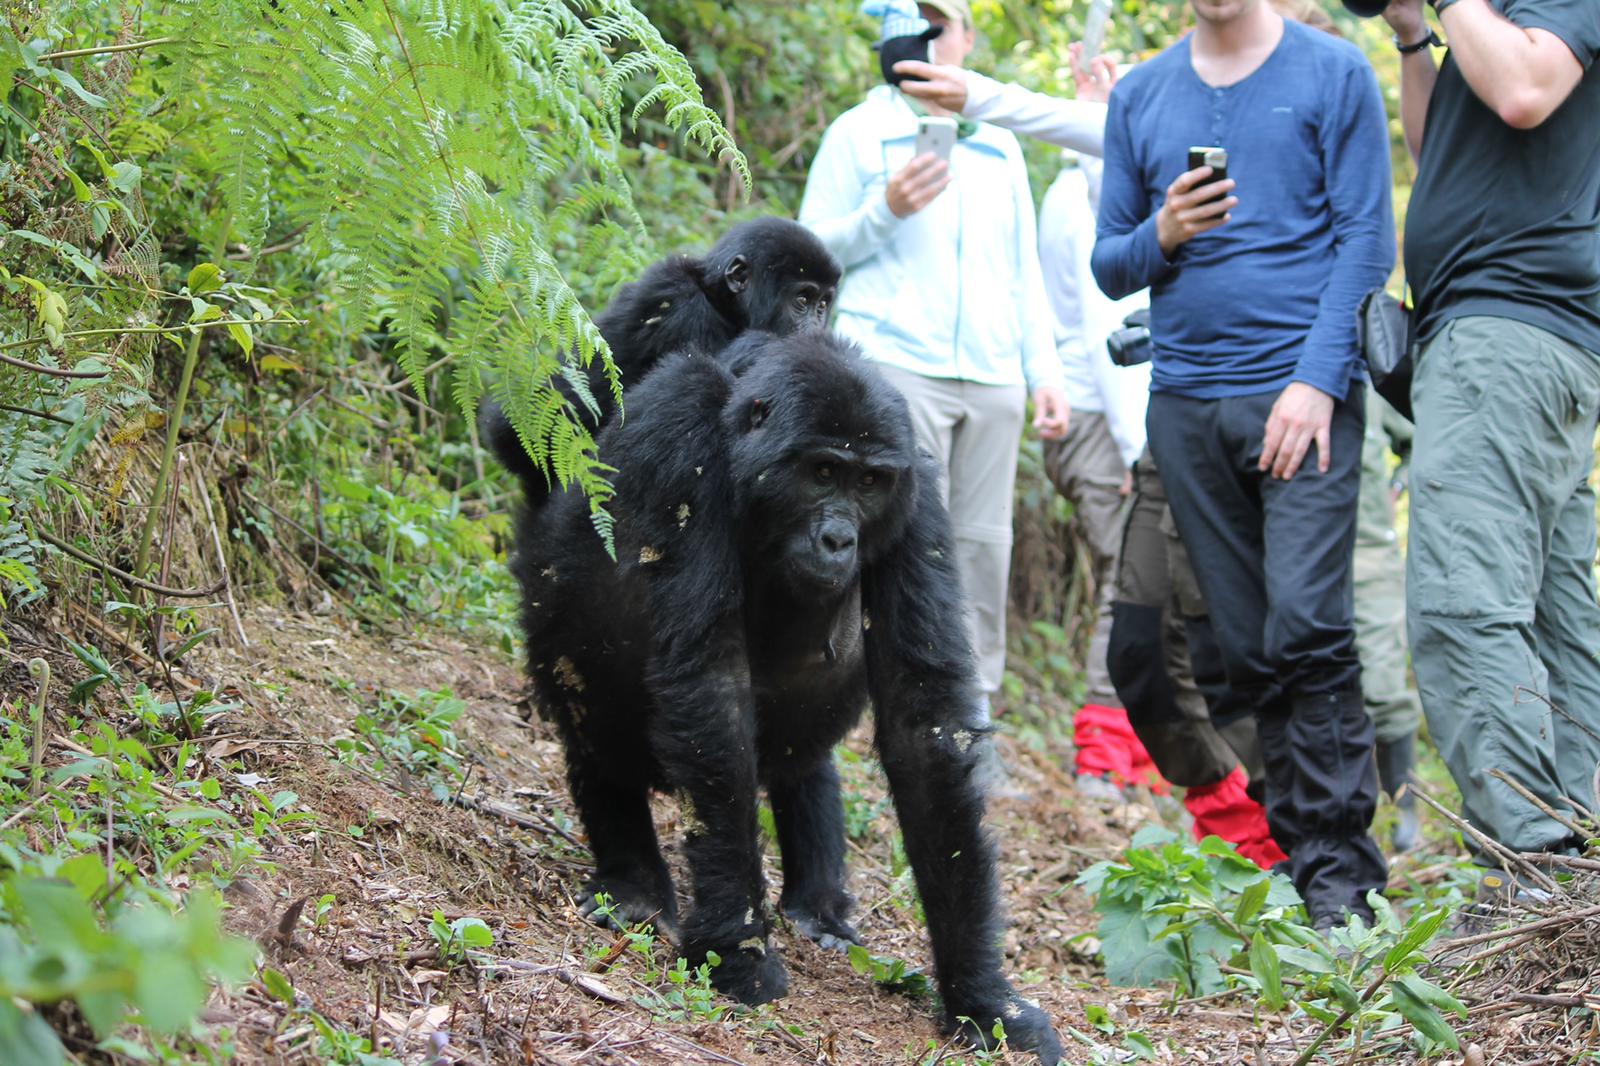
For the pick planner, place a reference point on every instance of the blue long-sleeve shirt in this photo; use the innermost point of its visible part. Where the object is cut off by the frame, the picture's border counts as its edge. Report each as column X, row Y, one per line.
column 1270, row 296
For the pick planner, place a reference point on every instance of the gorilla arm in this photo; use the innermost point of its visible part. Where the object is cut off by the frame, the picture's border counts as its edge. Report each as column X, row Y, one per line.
column 673, row 492
column 919, row 666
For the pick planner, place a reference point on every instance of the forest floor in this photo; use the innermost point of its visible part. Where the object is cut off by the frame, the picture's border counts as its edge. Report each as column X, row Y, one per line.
column 372, row 858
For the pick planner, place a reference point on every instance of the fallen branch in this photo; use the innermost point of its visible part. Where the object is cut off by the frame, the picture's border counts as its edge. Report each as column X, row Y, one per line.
column 1489, row 844
column 1544, row 808
column 55, row 372
column 123, row 575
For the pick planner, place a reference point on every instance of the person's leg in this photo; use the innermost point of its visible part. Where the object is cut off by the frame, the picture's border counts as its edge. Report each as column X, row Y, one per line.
column 1380, row 602
column 1216, row 506
column 1087, row 469
column 1380, row 574
column 1504, row 436
column 983, row 470
column 1567, row 618
column 1147, row 656
column 1309, row 526
column 936, row 410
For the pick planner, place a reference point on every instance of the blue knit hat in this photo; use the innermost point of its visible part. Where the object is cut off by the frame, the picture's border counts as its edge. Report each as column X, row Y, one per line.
column 900, row 18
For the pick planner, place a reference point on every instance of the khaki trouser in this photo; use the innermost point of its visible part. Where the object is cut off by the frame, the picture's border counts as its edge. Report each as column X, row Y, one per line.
column 1500, row 580
column 974, row 431
column 1086, row 467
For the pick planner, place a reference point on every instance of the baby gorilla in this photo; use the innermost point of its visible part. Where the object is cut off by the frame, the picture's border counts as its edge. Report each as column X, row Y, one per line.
column 782, row 559
column 766, row 274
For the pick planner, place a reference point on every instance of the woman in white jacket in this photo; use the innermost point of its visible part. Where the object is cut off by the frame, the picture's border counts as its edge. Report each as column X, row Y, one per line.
column 943, row 291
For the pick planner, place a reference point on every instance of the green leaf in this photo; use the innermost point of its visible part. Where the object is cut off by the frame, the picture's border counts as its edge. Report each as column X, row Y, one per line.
column 1433, row 995
column 65, row 79
column 1305, row 959
column 860, row 958
column 1264, row 964
column 277, row 985
column 1418, row 932
column 189, row 645
column 1422, row 1016
column 1344, row 994
column 204, row 278
column 1251, row 900
column 125, row 177
column 24, row 1037
column 240, row 332
column 473, row 932
column 169, row 990
column 1141, row 1045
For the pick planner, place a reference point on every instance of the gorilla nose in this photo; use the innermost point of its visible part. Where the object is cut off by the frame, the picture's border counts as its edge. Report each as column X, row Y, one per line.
column 838, row 541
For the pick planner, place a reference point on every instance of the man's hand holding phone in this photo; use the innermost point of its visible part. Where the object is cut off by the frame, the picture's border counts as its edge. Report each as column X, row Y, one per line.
column 1190, row 209
column 915, row 185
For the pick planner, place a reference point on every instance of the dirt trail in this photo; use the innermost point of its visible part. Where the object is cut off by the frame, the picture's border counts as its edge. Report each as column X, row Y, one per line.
column 506, row 848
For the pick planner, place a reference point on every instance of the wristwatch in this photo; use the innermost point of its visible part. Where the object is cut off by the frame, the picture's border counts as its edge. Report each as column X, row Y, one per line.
column 1430, row 41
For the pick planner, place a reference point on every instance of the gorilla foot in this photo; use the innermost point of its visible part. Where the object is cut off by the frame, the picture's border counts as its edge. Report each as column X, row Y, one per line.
column 824, row 924
column 1024, row 1025
column 752, row 974
column 630, row 901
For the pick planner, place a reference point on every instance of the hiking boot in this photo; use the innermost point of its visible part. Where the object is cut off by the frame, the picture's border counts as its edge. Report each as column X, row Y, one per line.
column 1395, row 760
column 993, row 776
column 1100, row 789
column 1497, row 895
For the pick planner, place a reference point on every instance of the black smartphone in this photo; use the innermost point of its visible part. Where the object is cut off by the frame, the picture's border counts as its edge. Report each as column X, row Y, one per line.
column 1213, row 157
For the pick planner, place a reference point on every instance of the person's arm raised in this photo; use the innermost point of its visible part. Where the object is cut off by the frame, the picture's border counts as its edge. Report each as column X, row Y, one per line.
column 1522, row 74
column 1076, row 124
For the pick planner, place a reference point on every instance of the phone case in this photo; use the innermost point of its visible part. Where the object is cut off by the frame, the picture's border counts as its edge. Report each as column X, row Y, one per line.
column 936, row 137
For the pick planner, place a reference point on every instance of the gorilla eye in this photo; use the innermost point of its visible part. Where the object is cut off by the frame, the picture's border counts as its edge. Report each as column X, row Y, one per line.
column 825, row 473
column 869, row 480
column 802, row 300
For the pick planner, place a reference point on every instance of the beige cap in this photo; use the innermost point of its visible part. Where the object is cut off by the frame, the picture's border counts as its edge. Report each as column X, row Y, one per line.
column 951, row 9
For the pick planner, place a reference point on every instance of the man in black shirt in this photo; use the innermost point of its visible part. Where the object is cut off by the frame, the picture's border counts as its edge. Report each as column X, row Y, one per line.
column 1502, row 253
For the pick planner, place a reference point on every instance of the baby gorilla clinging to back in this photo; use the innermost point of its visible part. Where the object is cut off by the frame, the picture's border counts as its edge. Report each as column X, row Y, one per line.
column 782, row 558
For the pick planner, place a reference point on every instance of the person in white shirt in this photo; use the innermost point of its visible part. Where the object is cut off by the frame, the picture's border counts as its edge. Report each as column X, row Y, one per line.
column 1091, row 465
column 943, row 291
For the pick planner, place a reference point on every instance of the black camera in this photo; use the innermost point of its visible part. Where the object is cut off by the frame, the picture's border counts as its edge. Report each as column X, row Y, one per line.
column 1365, row 9
column 1131, row 345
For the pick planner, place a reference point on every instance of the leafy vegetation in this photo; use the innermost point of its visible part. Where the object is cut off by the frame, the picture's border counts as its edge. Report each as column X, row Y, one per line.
column 1206, row 920
column 259, row 264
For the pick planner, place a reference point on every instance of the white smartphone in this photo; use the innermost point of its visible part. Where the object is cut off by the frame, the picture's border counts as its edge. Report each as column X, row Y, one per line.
column 935, row 134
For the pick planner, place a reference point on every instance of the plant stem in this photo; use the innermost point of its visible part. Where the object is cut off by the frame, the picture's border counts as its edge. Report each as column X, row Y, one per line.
column 132, row 46
column 191, row 356
column 1333, row 1026
column 40, row 669
column 120, row 330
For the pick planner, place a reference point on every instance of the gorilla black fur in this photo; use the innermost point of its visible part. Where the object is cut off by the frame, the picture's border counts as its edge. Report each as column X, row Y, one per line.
column 782, row 558
column 766, row 274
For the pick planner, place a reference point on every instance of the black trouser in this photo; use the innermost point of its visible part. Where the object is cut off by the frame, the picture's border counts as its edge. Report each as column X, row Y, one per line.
column 1273, row 561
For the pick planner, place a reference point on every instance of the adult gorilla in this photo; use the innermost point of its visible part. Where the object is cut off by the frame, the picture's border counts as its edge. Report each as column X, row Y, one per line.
column 765, row 274
column 782, row 558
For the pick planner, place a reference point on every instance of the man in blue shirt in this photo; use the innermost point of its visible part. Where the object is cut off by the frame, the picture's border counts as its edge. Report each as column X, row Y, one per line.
column 1256, row 411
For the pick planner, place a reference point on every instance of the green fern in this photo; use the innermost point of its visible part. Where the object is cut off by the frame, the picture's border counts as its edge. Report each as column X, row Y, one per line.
column 457, row 151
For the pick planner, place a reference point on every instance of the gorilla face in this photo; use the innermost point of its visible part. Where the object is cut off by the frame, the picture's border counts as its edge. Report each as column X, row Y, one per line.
column 837, row 498
column 822, row 457
column 782, row 299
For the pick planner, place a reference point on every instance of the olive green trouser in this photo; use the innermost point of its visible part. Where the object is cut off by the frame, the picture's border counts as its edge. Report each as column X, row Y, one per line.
column 1380, row 588
column 1500, row 579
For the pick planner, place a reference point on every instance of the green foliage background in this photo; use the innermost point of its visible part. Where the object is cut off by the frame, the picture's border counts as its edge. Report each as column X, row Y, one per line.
column 260, row 260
